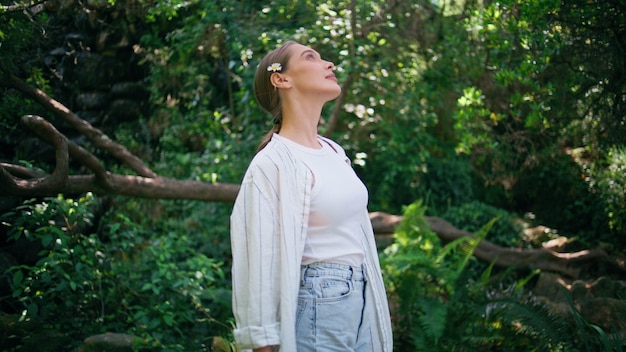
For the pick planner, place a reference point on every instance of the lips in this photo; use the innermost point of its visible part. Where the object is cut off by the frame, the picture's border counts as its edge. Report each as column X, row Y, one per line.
column 331, row 76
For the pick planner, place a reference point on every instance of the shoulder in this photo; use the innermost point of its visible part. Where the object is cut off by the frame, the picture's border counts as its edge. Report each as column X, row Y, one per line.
column 273, row 159
column 266, row 173
column 274, row 155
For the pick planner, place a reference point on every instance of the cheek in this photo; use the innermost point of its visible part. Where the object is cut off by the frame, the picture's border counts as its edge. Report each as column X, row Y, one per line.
column 306, row 79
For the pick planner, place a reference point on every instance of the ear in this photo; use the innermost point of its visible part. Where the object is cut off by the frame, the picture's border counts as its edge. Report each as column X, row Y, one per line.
column 280, row 80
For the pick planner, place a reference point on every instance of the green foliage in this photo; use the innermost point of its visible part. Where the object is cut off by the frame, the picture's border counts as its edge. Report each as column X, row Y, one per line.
column 22, row 45
column 442, row 306
column 424, row 278
column 178, row 264
column 509, row 86
column 183, row 289
column 514, row 320
column 152, row 284
column 611, row 183
column 570, row 205
column 205, row 224
column 529, row 103
column 63, row 289
column 594, row 34
column 447, row 182
column 517, row 55
column 471, row 216
column 19, row 34
column 14, row 106
column 591, row 336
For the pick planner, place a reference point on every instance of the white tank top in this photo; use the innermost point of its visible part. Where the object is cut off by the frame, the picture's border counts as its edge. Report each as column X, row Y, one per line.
column 338, row 200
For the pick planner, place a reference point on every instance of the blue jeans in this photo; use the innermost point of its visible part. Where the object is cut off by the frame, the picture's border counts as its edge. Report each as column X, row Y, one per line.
column 331, row 309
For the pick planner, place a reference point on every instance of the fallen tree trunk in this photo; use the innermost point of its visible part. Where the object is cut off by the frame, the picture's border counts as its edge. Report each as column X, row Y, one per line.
column 568, row 264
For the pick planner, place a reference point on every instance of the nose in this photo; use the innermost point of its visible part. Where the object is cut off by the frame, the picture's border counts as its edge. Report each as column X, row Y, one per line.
column 330, row 65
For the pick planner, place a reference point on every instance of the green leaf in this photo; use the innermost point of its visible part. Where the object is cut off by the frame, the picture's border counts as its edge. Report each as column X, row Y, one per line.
column 33, row 309
column 46, row 240
column 169, row 320
column 17, row 278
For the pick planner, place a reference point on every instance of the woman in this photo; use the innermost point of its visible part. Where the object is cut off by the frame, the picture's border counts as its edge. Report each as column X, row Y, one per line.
column 305, row 269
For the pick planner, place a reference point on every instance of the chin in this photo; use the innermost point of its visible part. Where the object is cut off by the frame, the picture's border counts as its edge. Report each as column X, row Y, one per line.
column 330, row 93
column 337, row 92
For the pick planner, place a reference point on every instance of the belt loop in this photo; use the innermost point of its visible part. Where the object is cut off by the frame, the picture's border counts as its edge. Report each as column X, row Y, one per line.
column 303, row 269
column 364, row 270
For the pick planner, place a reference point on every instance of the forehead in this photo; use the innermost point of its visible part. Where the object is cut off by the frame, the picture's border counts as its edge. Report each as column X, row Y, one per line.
column 297, row 50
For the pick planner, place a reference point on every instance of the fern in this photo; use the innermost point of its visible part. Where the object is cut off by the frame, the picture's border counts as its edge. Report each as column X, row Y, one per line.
column 424, row 276
column 442, row 306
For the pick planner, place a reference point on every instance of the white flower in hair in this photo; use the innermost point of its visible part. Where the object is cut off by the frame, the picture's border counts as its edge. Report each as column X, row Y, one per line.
column 275, row 67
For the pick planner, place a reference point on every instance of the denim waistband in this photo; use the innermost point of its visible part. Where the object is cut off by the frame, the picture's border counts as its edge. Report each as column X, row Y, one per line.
column 349, row 272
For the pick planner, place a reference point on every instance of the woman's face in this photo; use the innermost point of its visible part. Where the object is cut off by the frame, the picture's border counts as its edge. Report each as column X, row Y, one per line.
column 310, row 74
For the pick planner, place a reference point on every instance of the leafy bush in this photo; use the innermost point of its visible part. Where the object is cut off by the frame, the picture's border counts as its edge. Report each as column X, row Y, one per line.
column 64, row 289
column 472, row 216
column 611, row 183
column 172, row 296
column 447, row 182
column 149, row 282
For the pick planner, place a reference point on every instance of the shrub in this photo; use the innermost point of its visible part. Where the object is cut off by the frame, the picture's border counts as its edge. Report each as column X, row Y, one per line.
column 172, row 295
column 66, row 289
column 447, row 182
column 472, row 216
column 611, row 183
column 149, row 282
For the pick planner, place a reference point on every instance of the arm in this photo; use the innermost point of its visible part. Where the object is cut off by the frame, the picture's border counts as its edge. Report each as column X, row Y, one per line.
column 256, row 263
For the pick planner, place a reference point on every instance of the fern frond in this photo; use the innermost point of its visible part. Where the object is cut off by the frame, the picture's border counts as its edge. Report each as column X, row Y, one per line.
column 526, row 316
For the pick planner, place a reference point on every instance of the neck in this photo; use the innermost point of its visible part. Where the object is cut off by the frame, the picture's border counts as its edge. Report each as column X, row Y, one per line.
column 300, row 121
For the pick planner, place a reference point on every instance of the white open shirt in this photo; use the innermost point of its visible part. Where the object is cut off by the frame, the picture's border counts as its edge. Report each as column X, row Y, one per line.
column 268, row 229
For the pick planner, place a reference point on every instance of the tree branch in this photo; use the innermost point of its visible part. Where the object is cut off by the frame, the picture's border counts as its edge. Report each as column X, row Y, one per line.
column 19, row 7
column 21, row 171
column 23, row 181
column 41, row 183
column 334, row 116
column 95, row 135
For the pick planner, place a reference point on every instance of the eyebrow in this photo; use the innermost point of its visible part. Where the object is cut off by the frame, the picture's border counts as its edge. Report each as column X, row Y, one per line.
column 308, row 51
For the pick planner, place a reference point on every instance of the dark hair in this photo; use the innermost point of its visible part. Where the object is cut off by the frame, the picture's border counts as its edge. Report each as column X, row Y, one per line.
column 265, row 93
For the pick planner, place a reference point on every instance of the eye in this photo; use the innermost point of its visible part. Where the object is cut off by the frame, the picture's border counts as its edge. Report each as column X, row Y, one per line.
column 311, row 56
